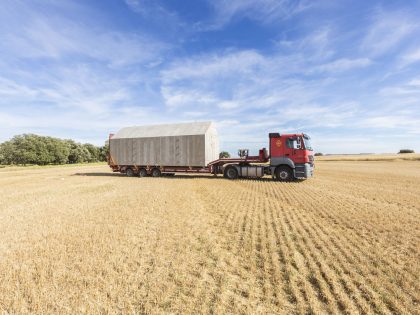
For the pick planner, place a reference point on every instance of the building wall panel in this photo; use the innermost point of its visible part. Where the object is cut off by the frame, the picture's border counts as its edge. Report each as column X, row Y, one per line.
column 173, row 150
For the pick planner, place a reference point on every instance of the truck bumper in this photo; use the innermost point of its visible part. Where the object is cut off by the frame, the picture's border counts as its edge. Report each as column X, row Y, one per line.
column 305, row 170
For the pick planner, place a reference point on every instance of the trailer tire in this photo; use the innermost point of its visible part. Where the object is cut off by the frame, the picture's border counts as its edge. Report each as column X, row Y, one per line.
column 142, row 172
column 231, row 172
column 156, row 172
column 284, row 173
column 129, row 172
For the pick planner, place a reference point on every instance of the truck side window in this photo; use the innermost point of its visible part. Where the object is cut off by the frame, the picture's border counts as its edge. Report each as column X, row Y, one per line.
column 294, row 143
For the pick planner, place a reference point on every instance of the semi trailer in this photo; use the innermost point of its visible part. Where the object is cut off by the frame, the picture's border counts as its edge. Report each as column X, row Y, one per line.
column 194, row 148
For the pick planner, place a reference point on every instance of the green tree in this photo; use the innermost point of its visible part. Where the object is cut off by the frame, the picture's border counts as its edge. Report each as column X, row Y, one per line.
column 94, row 151
column 33, row 149
column 24, row 149
column 224, row 155
column 103, row 153
column 58, row 151
column 7, row 153
column 2, row 157
column 75, row 152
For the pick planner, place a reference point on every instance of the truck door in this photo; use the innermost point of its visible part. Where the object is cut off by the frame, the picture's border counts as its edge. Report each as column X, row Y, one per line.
column 299, row 152
column 294, row 149
column 289, row 148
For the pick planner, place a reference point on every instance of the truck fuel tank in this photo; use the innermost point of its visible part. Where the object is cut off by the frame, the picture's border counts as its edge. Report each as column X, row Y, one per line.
column 251, row 171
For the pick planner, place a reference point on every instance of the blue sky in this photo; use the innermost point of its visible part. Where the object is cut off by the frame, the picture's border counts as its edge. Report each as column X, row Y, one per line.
column 345, row 72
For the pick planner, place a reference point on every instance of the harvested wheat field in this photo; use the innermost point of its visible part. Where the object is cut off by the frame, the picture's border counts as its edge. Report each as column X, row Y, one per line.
column 371, row 157
column 84, row 240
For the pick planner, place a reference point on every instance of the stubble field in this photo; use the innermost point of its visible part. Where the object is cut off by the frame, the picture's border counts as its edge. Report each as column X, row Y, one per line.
column 84, row 240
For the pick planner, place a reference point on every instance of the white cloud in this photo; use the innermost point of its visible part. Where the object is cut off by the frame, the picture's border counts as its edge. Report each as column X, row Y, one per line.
column 148, row 7
column 264, row 11
column 179, row 97
column 414, row 82
column 393, row 121
column 10, row 88
column 404, row 89
column 312, row 115
column 196, row 114
column 243, row 80
column 228, row 105
column 343, row 64
column 81, row 87
column 214, row 80
column 158, row 15
column 319, row 44
column 267, row 93
column 387, row 31
column 213, row 65
column 58, row 38
column 410, row 58
column 398, row 91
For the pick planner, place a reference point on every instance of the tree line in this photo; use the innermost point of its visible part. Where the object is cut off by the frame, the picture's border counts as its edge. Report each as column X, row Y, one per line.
column 40, row 150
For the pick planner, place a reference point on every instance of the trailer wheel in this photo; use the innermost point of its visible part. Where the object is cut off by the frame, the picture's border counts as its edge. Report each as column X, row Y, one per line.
column 231, row 172
column 284, row 174
column 142, row 172
column 156, row 172
column 129, row 172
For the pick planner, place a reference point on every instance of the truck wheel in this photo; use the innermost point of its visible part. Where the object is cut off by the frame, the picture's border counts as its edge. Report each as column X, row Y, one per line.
column 156, row 172
column 129, row 172
column 142, row 172
column 284, row 173
column 231, row 172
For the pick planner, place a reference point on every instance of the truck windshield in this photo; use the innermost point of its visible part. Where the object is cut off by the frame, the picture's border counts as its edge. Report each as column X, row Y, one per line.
column 307, row 142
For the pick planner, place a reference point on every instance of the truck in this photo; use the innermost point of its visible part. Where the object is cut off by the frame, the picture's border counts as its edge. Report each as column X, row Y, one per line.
column 158, row 150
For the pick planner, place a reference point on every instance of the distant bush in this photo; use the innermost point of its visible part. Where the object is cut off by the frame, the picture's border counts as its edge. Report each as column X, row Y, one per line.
column 224, row 155
column 39, row 150
column 406, row 151
column 319, row 154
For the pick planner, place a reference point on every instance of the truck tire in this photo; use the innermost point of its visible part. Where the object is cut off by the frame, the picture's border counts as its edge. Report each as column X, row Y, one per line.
column 129, row 172
column 142, row 172
column 156, row 172
column 284, row 174
column 231, row 172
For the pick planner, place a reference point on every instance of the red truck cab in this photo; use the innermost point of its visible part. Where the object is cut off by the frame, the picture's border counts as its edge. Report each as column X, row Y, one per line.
column 291, row 156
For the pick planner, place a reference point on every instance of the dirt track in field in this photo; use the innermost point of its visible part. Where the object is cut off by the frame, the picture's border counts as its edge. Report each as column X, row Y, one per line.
column 81, row 239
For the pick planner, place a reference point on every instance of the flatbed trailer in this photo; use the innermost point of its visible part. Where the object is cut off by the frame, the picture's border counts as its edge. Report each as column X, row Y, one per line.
column 214, row 167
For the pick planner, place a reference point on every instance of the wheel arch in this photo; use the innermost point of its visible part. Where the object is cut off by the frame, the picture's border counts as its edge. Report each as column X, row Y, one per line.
column 281, row 161
column 234, row 166
column 280, row 167
column 230, row 165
